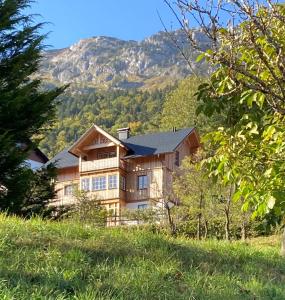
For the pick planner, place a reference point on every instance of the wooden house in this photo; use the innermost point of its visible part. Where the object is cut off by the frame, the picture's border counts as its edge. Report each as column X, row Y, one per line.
column 125, row 171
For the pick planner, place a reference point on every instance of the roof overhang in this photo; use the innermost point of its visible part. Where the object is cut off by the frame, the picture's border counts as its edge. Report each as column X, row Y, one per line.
column 193, row 131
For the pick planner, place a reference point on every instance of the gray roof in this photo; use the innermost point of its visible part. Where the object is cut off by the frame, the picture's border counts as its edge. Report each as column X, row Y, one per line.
column 64, row 160
column 155, row 143
column 139, row 145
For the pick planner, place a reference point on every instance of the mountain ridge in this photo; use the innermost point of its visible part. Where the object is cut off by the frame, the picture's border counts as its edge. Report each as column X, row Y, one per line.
column 109, row 62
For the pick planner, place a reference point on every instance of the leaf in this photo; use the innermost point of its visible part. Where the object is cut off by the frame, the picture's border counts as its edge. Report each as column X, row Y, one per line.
column 271, row 202
column 200, row 57
column 268, row 172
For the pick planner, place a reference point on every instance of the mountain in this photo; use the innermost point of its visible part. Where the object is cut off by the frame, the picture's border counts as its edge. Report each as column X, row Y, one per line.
column 109, row 62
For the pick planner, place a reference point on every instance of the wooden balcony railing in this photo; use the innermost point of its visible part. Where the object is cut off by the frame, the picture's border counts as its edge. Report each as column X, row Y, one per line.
column 101, row 164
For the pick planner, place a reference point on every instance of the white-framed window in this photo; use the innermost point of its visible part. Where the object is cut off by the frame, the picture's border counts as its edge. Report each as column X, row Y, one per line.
column 85, row 184
column 69, row 189
column 142, row 206
column 99, row 183
column 142, row 182
column 113, row 181
column 123, row 183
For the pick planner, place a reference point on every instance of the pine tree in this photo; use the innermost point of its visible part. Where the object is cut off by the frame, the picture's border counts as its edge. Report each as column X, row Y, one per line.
column 25, row 108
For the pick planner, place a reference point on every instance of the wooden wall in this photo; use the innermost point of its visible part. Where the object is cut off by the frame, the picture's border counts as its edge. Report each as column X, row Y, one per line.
column 159, row 170
column 153, row 168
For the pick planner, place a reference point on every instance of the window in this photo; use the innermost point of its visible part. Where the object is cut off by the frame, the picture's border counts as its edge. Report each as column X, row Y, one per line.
column 123, row 183
column 99, row 183
column 69, row 190
column 113, row 181
column 106, row 154
column 142, row 182
column 177, row 162
column 85, row 184
column 142, row 206
column 103, row 140
column 102, row 155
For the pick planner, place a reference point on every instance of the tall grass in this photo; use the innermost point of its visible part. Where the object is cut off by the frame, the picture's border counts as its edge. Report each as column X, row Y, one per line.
column 49, row 260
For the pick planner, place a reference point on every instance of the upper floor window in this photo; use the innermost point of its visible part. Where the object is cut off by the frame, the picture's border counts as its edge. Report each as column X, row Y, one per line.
column 69, row 189
column 99, row 183
column 85, row 184
column 103, row 140
column 123, row 183
column 177, row 158
column 142, row 182
column 113, row 181
column 106, row 154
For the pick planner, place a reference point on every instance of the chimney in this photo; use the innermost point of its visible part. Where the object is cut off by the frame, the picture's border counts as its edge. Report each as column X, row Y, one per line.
column 123, row 133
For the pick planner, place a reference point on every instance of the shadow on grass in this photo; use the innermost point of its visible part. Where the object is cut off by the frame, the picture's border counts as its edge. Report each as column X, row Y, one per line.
column 237, row 266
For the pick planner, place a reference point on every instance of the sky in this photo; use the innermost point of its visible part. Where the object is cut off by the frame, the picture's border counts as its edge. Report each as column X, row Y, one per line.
column 72, row 20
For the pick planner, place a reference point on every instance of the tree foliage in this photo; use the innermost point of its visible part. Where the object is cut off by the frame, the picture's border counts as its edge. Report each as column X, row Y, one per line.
column 247, row 90
column 109, row 109
column 24, row 107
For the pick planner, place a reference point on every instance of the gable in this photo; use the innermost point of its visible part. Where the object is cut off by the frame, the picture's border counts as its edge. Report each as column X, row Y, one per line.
column 94, row 138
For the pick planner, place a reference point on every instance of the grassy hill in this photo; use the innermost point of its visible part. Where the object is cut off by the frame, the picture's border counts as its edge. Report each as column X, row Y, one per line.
column 45, row 260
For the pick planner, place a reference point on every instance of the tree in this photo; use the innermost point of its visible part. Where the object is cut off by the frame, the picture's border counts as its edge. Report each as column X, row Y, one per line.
column 88, row 210
column 247, row 88
column 40, row 191
column 179, row 108
column 193, row 189
column 205, row 200
column 25, row 108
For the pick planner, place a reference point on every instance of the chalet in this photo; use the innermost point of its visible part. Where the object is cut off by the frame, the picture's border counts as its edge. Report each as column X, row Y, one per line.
column 124, row 171
column 36, row 159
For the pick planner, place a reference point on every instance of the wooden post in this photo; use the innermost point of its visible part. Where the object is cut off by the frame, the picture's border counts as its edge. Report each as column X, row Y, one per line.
column 80, row 160
column 118, row 155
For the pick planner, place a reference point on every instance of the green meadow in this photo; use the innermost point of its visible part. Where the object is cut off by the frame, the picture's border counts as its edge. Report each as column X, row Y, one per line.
column 53, row 260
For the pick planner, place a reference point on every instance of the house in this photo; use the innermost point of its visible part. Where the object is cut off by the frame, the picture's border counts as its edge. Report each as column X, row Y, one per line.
column 125, row 171
column 36, row 159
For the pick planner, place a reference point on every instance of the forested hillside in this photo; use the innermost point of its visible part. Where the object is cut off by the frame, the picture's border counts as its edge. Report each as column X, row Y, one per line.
column 116, row 83
column 141, row 110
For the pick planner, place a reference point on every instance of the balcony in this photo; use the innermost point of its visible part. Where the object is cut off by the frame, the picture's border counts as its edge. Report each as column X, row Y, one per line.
column 101, row 164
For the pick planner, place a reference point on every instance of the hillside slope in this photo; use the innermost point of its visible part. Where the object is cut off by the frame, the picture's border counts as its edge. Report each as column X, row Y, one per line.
column 44, row 260
column 110, row 62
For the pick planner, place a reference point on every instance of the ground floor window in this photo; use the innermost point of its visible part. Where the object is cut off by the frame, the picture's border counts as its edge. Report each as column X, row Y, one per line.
column 69, row 189
column 142, row 206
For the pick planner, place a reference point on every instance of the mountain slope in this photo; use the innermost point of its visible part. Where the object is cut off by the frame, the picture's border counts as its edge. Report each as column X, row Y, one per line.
column 111, row 62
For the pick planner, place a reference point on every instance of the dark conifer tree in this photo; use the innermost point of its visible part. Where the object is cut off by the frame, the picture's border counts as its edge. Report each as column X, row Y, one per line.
column 25, row 108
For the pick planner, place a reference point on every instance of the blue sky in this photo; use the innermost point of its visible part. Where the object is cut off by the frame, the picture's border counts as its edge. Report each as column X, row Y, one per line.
column 72, row 20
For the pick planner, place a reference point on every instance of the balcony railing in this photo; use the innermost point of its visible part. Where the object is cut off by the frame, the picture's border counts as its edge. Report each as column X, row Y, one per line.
column 101, row 164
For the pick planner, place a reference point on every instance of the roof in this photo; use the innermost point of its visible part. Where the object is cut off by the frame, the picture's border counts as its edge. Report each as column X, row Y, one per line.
column 138, row 146
column 43, row 157
column 64, row 160
column 155, row 143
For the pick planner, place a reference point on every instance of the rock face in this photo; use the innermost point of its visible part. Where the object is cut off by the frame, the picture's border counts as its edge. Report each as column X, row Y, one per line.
column 110, row 62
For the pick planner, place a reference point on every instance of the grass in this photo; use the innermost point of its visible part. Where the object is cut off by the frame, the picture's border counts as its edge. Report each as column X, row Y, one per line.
column 48, row 260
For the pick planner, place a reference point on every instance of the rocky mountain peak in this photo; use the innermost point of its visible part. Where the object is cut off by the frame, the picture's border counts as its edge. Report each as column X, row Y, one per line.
column 110, row 62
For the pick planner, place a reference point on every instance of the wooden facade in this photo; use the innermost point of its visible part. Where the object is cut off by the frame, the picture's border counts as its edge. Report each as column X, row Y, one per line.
column 106, row 172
